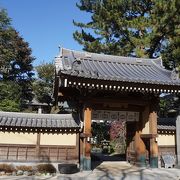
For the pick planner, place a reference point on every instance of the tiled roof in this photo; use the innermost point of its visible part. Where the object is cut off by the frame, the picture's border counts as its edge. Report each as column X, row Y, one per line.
column 166, row 124
column 114, row 68
column 39, row 121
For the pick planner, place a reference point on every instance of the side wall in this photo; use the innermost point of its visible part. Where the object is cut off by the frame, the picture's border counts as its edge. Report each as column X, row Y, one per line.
column 167, row 144
column 24, row 147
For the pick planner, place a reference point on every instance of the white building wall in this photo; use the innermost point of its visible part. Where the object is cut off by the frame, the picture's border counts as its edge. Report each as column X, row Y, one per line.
column 17, row 138
column 31, row 139
column 58, row 139
column 166, row 139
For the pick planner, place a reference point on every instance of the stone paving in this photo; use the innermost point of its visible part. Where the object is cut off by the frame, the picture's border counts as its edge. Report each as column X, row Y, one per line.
column 111, row 171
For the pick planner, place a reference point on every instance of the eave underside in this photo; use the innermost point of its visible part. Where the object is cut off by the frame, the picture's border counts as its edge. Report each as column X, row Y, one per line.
column 85, row 83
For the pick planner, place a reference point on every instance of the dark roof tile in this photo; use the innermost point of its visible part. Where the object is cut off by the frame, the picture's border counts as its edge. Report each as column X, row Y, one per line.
column 11, row 119
column 113, row 68
column 166, row 123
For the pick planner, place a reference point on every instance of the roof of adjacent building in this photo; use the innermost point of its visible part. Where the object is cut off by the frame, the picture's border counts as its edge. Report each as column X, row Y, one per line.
column 166, row 124
column 38, row 121
column 35, row 102
column 55, row 122
column 114, row 68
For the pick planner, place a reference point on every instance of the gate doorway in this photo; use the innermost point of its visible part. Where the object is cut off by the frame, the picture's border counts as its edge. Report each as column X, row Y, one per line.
column 109, row 135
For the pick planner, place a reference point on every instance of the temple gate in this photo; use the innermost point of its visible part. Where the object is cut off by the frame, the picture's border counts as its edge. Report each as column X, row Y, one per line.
column 92, row 82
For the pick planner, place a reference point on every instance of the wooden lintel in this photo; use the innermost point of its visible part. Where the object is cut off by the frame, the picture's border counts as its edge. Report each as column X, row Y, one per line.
column 122, row 108
column 149, row 135
column 119, row 101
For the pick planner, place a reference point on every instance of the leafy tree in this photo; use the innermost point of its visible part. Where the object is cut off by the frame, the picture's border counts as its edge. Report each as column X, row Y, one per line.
column 9, row 96
column 171, row 54
column 15, row 61
column 118, row 136
column 141, row 28
column 100, row 131
column 43, row 85
column 169, row 105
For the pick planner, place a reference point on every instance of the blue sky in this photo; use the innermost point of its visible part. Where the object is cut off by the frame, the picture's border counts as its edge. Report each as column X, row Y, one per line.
column 45, row 24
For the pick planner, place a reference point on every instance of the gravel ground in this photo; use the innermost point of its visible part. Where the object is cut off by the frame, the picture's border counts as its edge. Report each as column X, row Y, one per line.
column 111, row 171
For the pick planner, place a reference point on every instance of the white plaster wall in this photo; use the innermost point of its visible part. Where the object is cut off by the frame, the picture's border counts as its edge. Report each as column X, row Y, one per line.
column 145, row 115
column 58, row 139
column 145, row 130
column 17, row 138
column 167, row 140
column 30, row 138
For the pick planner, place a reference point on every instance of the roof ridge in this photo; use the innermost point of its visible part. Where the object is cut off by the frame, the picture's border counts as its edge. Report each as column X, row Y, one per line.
column 108, row 55
column 161, row 67
column 31, row 114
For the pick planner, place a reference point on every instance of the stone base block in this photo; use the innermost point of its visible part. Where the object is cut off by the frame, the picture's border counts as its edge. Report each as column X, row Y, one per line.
column 85, row 163
column 154, row 162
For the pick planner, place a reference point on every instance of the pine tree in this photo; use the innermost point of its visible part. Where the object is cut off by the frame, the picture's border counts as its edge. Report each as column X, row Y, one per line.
column 141, row 28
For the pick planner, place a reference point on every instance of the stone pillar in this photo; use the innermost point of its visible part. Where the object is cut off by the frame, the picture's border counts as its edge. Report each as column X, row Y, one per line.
column 153, row 142
column 178, row 138
column 85, row 159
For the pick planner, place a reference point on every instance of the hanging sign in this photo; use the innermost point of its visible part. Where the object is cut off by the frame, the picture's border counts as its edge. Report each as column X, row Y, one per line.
column 103, row 115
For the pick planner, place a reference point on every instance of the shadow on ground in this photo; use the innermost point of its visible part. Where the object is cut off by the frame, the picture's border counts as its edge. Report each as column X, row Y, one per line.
column 112, row 172
column 98, row 158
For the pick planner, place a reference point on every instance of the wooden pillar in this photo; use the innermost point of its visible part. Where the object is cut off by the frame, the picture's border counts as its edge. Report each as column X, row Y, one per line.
column 81, row 157
column 153, row 132
column 77, row 145
column 140, row 148
column 86, row 155
column 38, row 146
column 177, row 138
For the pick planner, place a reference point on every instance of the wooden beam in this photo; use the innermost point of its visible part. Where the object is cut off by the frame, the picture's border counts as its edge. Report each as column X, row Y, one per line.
column 86, row 158
column 140, row 147
column 118, row 101
column 38, row 145
column 77, row 146
column 153, row 122
column 56, row 90
column 153, row 130
column 87, row 130
column 122, row 108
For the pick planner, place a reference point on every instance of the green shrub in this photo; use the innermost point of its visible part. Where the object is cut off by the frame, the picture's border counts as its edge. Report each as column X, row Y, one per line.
column 8, row 168
column 46, row 168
